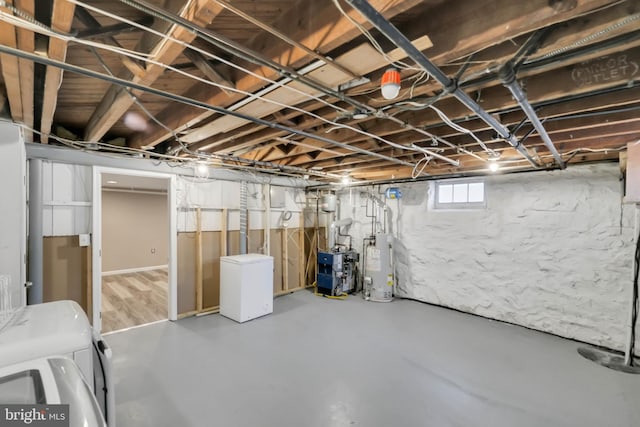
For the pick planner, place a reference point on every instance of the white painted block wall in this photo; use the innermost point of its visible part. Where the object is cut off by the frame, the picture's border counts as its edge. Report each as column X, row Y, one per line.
column 552, row 251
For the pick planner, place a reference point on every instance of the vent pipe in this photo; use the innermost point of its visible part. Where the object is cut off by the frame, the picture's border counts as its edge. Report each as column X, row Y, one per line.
column 508, row 77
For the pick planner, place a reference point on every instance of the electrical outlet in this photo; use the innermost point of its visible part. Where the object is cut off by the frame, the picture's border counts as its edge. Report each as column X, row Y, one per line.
column 84, row 240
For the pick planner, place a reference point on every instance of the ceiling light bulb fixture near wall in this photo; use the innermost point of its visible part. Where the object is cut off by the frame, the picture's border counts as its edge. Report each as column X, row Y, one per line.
column 493, row 161
column 346, row 180
column 112, row 182
column 390, row 83
column 202, row 168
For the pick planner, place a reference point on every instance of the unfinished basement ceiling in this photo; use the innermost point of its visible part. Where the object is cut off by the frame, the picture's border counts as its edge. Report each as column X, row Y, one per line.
column 293, row 87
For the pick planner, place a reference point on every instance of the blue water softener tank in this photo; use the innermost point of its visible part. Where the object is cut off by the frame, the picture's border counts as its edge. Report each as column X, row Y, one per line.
column 393, row 193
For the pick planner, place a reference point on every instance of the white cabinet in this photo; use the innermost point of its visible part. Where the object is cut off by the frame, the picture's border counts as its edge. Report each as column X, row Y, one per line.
column 246, row 286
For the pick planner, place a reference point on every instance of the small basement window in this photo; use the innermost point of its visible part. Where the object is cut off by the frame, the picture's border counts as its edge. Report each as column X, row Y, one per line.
column 460, row 195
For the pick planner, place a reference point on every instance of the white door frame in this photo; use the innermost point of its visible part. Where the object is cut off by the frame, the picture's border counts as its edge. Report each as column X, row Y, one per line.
column 96, row 229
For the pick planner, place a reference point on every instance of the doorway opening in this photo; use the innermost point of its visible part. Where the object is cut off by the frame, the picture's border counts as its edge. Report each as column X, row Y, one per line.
column 134, row 271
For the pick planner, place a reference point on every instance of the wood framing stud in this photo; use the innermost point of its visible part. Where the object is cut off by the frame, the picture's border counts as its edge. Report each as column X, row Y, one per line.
column 199, row 291
column 61, row 18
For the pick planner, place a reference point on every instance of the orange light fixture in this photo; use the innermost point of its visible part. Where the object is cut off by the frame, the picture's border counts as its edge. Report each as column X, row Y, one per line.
column 390, row 83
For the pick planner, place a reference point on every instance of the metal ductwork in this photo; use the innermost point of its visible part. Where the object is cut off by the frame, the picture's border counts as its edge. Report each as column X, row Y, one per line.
column 335, row 229
column 451, row 86
column 508, row 76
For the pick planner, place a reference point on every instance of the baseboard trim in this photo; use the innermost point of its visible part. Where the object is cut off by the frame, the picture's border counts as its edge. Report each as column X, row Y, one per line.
column 134, row 270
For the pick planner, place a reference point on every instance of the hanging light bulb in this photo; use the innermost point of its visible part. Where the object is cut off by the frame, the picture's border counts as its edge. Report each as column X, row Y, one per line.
column 390, row 83
column 494, row 156
column 346, row 180
column 201, row 168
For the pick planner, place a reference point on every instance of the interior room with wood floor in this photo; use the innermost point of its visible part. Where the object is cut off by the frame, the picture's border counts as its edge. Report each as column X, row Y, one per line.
column 135, row 251
column 321, row 213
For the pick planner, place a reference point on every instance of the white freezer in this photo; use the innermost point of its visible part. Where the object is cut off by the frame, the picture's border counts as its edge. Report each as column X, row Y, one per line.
column 246, row 286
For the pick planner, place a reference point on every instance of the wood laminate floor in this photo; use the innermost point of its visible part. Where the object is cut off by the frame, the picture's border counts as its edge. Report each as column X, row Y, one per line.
column 133, row 299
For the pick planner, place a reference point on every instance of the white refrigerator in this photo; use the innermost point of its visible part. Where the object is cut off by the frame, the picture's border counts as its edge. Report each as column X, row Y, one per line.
column 246, row 286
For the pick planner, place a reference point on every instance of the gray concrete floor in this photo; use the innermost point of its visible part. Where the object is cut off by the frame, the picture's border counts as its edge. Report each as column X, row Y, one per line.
column 320, row 362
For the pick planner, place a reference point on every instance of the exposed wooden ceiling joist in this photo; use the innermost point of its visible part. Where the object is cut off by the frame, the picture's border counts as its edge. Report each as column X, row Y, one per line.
column 61, row 18
column 117, row 101
column 317, row 26
column 587, row 61
column 11, row 68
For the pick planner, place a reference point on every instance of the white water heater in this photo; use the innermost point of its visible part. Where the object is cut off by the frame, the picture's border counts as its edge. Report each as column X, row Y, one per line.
column 378, row 269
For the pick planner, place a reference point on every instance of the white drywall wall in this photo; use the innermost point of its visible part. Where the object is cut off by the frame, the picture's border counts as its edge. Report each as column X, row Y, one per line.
column 66, row 193
column 12, row 218
column 552, row 251
column 211, row 196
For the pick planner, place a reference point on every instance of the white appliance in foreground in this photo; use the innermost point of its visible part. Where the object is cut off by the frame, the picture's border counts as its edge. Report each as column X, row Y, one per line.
column 60, row 329
column 246, row 286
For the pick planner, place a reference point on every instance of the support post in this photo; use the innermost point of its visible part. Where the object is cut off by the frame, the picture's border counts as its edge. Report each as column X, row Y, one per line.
column 198, row 259
column 285, row 260
column 223, row 232
column 631, row 331
column 301, row 273
column 36, row 233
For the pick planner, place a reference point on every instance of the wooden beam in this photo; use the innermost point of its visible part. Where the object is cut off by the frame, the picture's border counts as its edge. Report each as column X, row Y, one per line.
column 200, row 61
column 301, row 272
column 361, row 60
column 285, row 259
column 11, row 68
column 582, row 27
column 100, row 32
column 117, row 101
column 315, row 24
column 26, row 42
column 199, row 281
column 223, row 232
column 61, row 18
column 544, row 87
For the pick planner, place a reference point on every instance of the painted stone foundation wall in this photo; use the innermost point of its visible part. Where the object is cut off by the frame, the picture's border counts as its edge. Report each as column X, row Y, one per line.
column 551, row 251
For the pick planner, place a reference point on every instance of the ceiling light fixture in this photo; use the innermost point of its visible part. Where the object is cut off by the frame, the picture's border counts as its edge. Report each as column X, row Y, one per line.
column 202, row 168
column 359, row 115
column 390, row 83
column 112, row 182
column 493, row 161
column 346, row 180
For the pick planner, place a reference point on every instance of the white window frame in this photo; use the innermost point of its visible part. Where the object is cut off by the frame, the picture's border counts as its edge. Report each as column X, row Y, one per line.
column 460, row 205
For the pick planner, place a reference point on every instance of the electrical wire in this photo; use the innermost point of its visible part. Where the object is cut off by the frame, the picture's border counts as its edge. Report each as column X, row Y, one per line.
column 398, row 64
column 35, row 26
column 426, row 159
column 181, row 161
column 203, row 52
column 591, row 37
column 251, row 95
column 279, row 68
column 462, row 129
